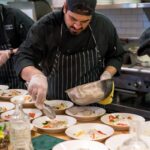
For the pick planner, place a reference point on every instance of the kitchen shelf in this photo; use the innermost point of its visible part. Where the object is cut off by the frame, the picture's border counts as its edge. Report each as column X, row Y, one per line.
column 125, row 6
column 117, row 6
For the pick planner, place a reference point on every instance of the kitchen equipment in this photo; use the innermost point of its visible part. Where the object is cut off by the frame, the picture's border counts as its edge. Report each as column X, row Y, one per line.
column 132, row 91
column 132, row 87
column 91, row 92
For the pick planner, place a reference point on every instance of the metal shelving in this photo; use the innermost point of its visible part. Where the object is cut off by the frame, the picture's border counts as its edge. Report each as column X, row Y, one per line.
column 118, row 6
column 123, row 6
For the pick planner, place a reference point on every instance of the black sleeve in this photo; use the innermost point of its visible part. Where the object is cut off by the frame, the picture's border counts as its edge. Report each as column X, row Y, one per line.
column 31, row 51
column 108, row 42
column 115, row 52
column 22, row 24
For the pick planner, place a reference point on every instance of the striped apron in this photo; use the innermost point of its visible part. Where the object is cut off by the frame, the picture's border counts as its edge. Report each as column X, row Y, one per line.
column 75, row 69
column 8, row 75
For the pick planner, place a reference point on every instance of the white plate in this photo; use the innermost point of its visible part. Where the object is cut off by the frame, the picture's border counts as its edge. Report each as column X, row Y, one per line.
column 117, row 140
column 28, row 102
column 4, row 87
column 7, row 94
column 146, row 128
column 59, row 105
column 90, row 131
column 59, row 124
column 33, row 113
column 120, row 121
column 5, row 106
column 80, row 145
column 85, row 113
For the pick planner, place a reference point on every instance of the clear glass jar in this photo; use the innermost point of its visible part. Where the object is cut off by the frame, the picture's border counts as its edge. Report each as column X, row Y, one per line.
column 20, row 133
column 135, row 142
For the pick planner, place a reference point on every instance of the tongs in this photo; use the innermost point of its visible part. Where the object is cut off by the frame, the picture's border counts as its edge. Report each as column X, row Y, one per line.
column 47, row 109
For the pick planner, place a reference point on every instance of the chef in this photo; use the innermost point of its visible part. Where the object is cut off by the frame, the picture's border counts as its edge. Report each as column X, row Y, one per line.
column 73, row 46
column 14, row 26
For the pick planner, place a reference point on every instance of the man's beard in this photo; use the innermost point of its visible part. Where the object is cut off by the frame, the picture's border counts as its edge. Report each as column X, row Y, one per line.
column 74, row 32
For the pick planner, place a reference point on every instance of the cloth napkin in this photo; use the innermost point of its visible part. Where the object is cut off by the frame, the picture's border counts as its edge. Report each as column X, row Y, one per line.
column 45, row 142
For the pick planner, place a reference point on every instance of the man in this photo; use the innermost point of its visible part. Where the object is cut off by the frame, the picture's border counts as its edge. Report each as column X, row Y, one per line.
column 14, row 25
column 68, row 48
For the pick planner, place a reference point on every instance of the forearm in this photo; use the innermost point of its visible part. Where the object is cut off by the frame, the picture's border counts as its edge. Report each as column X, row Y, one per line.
column 28, row 72
column 112, row 70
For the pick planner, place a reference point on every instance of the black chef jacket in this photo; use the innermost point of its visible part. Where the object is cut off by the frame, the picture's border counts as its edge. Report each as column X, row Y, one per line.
column 49, row 41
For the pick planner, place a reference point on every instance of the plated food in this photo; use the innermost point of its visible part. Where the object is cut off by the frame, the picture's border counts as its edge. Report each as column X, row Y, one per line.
column 85, row 113
column 28, row 102
column 33, row 113
column 90, row 131
column 120, row 121
column 59, row 124
column 5, row 106
column 114, row 142
column 59, row 105
column 7, row 94
column 4, row 87
column 80, row 145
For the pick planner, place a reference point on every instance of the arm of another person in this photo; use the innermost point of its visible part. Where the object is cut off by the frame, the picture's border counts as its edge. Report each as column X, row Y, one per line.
column 22, row 23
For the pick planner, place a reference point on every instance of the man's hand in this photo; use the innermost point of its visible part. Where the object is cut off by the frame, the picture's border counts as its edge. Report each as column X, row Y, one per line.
column 4, row 56
column 37, row 88
column 105, row 75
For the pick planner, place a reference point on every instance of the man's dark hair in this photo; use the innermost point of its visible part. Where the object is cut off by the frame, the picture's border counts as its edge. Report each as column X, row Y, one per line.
column 83, row 7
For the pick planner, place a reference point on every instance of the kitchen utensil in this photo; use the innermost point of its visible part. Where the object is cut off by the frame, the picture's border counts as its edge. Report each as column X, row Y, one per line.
column 91, row 92
column 48, row 111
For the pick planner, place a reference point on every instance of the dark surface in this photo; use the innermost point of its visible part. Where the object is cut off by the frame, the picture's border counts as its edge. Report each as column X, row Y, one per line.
column 45, row 142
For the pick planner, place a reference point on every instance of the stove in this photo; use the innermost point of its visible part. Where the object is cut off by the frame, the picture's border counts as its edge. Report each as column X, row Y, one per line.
column 132, row 91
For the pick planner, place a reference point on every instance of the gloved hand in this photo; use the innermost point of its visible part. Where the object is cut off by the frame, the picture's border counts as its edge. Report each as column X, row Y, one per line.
column 4, row 56
column 105, row 75
column 37, row 88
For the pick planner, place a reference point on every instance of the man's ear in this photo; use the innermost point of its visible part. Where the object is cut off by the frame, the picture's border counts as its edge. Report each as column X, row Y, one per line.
column 65, row 8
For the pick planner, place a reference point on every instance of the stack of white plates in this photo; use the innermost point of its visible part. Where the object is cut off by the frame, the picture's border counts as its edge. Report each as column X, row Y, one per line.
column 125, row 1
column 103, row 2
column 57, row 3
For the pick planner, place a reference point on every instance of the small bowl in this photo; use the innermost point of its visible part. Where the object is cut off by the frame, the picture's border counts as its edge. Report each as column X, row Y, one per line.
column 28, row 102
column 59, row 105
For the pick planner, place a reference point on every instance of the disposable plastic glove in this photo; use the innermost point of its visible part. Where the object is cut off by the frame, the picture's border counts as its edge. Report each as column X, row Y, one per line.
column 37, row 88
column 105, row 75
column 4, row 56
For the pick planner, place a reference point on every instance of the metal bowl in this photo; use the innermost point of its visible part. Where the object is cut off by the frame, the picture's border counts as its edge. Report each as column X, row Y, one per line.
column 91, row 92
